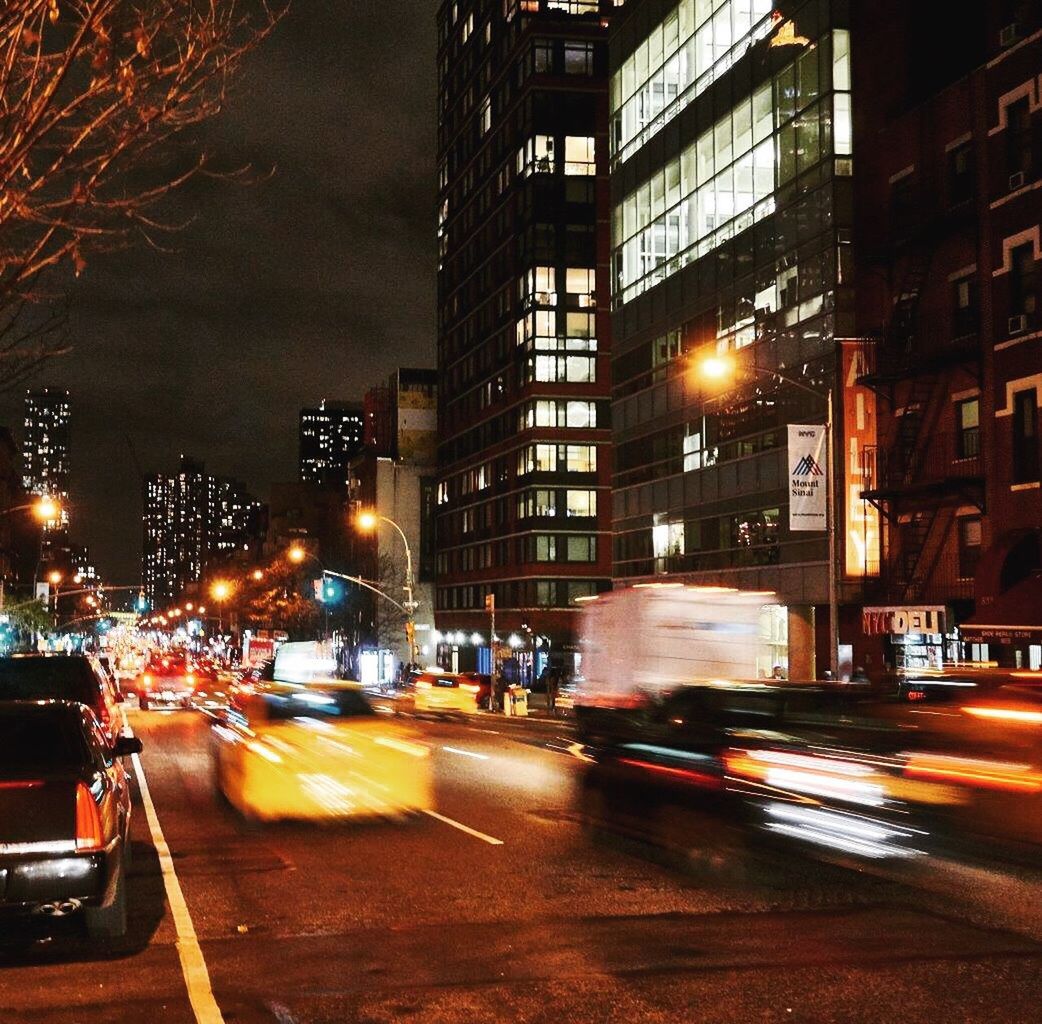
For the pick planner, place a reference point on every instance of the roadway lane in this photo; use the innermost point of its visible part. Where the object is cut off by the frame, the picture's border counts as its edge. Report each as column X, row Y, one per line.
column 425, row 922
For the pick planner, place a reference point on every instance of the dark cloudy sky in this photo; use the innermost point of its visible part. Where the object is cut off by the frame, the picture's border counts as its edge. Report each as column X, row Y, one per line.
column 315, row 283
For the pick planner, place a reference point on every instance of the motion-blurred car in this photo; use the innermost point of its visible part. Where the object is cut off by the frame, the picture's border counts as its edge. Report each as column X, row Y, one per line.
column 64, row 815
column 72, row 677
column 168, row 679
column 458, row 693
column 318, row 752
column 212, row 688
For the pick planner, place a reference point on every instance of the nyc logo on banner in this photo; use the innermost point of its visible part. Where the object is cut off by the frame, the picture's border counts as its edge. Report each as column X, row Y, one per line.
column 808, row 477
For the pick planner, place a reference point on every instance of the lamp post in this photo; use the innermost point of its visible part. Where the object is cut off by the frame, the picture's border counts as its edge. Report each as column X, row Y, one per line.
column 367, row 521
column 220, row 591
column 719, row 368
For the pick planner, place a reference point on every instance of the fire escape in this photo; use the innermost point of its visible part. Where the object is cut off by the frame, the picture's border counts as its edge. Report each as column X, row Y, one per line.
column 921, row 472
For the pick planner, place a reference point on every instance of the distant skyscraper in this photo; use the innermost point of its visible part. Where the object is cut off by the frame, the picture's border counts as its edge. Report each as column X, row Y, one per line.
column 45, row 449
column 192, row 519
column 330, row 437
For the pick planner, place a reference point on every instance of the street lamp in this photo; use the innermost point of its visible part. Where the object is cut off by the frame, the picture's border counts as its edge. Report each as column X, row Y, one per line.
column 717, row 369
column 367, row 521
column 220, row 591
column 257, row 574
column 297, row 554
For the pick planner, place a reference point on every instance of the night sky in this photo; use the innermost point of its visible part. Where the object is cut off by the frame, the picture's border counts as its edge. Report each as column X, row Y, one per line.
column 314, row 283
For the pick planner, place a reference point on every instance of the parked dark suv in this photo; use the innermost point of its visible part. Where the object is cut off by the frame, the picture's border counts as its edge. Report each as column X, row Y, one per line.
column 62, row 677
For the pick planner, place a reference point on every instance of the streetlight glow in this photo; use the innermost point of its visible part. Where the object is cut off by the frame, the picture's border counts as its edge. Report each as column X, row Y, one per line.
column 714, row 368
column 367, row 521
column 46, row 508
column 221, row 590
column 296, row 554
column 54, row 577
column 258, row 574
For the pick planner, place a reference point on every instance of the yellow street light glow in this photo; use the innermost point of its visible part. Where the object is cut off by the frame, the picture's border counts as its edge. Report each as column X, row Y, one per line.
column 714, row 368
column 46, row 508
column 367, row 520
column 54, row 577
column 189, row 605
column 175, row 612
column 258, row 574
column 296, row 554
column 221, row 590
column 202, row 609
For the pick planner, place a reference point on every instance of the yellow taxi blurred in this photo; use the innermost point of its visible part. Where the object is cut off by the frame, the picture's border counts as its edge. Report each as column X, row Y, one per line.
column 460, row 693
column 318, row 752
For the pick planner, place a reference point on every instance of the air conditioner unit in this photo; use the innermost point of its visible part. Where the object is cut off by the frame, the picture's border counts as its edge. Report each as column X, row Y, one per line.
column 1018, row 324
column 1008, row 35
column 1016, row 181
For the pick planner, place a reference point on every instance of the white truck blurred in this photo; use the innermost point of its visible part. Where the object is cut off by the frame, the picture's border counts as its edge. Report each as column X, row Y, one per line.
column 640, row 643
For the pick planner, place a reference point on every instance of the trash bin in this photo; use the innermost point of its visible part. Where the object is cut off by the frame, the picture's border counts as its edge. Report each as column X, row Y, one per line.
column 517, row 701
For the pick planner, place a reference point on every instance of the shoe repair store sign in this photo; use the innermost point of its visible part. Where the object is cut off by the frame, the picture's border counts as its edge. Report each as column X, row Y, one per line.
column 897, row 621
column 808, row 479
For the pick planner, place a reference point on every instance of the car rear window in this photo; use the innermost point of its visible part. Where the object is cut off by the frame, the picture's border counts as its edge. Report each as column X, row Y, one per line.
column 30, row 743
column 48, row 679
column 317, row 704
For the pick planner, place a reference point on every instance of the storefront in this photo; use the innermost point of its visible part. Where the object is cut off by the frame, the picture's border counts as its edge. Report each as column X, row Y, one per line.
column 913, row 635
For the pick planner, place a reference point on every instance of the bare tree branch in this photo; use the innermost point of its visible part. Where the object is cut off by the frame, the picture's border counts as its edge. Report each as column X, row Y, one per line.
column 96, row 100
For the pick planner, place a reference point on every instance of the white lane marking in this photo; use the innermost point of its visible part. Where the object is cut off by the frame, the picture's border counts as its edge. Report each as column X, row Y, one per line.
column 491, row 840
column 465, row 753
column 193, row 966
column 491, row 732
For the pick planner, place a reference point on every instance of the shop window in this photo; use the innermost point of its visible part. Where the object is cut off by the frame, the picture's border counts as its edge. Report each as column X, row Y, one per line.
column 965, row 306
column 1025, row 437
column 967, row 416
column 969, row 546
column 961, row 183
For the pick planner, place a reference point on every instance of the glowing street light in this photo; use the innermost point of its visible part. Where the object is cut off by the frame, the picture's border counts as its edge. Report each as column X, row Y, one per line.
column 54, row 577
column 296, row 554
column 718, row 369
column 257, row 574
column 221, row 590
column 367, row 521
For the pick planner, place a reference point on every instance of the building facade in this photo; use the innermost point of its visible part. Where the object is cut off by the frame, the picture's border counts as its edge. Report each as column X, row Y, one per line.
column 45, row 449
column 192, row 522
column 331, row 435
column 395, row 478
column 948, row 272
column 732, row 170
column 524, row 459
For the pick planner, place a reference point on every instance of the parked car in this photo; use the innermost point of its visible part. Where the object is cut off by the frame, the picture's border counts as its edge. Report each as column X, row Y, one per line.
column 318, row 752
column 64, row 815
column 72, row 677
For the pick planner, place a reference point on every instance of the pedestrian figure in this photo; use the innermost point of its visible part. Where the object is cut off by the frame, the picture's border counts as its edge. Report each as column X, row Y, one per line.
column 552, row 684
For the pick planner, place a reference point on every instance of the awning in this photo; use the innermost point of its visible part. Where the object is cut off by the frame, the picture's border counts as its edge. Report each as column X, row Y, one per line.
column 1013, row 615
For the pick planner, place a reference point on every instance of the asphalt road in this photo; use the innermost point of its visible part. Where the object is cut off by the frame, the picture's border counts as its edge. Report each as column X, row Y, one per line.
column 427, row 922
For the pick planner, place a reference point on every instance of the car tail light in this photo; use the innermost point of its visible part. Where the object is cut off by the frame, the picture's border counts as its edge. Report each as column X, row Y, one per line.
column 89, row 836
column 21, row 784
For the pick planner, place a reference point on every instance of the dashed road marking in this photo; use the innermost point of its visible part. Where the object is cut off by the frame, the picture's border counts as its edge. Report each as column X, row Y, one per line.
column 491, row 840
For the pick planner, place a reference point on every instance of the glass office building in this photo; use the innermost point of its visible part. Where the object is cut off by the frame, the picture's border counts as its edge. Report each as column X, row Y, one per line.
column 732, row 164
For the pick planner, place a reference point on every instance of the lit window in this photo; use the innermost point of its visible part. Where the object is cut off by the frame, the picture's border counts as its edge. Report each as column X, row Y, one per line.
column 578, row 58
column 579, row 155
column 486, row 115
column 536, row 156
column 581, row 503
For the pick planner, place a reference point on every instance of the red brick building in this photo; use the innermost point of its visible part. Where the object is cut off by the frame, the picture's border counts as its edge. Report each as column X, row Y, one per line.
column 947, row 261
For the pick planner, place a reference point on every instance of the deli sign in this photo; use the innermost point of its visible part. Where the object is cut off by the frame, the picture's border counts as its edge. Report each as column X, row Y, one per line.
column 899, row 620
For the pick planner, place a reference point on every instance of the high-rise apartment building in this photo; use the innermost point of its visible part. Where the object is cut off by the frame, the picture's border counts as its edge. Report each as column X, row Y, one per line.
column 45, row 449
column 523, row 511
column 331, row 435
column 192, row 521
